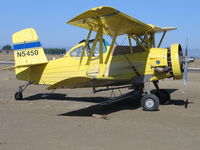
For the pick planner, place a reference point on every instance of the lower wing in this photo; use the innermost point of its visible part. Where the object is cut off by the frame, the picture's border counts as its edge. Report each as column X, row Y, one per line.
column 78, row 82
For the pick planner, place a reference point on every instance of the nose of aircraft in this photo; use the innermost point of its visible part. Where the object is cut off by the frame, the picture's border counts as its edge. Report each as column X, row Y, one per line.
column 179, row 63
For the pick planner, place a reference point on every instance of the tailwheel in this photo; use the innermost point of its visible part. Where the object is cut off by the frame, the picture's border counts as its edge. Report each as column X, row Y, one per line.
column 150, row 102
column 18, row 96
column 163, row 96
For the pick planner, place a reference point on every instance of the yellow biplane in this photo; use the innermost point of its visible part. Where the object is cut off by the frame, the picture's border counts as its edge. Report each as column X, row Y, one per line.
column 96, row 63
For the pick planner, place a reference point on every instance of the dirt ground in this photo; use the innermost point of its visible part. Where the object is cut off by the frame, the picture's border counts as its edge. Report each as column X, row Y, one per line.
column 65, row 120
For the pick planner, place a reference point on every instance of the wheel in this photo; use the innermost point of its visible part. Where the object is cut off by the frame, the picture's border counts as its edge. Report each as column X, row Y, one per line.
column 18, row 96
column 150, row 102
column 164, row 97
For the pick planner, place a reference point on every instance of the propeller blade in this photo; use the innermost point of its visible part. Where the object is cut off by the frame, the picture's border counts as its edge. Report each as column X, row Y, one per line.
column 186, row 51
column 185, row 75
column 185, row 61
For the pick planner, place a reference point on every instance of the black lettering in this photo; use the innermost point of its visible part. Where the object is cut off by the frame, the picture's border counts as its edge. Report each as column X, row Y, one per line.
column 27, row 53
column 36, row 52
column 19, row 54
column 32, row 53
column 23, row 53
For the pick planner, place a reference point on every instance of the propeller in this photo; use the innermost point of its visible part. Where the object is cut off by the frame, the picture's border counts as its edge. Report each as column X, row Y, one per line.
column 186, row 60
column 185, row 73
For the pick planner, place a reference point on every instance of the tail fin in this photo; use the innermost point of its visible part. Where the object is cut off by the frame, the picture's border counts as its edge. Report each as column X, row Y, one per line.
column 27, row 48
column 27, row 52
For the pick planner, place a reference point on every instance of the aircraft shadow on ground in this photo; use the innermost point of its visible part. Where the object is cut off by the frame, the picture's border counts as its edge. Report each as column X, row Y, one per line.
column 64, row 97
column 127, row 104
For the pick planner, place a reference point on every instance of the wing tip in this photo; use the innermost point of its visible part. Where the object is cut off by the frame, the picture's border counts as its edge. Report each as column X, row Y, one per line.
column 161, row 29
column 99, row 8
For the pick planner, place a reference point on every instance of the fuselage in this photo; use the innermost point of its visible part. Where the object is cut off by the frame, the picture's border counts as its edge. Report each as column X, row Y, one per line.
column 121, row 68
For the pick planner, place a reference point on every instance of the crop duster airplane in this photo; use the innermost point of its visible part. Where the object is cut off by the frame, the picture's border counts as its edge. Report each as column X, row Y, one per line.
column 95, row 63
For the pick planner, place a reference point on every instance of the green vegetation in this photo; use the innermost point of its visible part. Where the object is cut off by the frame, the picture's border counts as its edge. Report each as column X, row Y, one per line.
column 6, row 47
column 54, row 51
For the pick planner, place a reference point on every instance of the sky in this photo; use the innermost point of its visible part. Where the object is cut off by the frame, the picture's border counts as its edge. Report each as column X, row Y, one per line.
column 49, row 18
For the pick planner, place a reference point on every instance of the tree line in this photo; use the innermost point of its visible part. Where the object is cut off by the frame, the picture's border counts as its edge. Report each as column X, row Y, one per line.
column 53, row 51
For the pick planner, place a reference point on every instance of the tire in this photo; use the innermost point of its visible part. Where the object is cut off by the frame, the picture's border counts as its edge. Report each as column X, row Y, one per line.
column 18, row 96
column 150, row 102
column 165, row 96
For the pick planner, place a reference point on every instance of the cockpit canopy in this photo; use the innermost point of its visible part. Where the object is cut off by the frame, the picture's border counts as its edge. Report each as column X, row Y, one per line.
column 77, row 50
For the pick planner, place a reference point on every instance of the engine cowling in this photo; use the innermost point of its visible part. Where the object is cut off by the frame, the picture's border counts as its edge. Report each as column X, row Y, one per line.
column 167, row 62
column 175, row 62
column 170, row 62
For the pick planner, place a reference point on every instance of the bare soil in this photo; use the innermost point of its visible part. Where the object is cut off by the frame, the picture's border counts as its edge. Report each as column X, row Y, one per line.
column 71, row 119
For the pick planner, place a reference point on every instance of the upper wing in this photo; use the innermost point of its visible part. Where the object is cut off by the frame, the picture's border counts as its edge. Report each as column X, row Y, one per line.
column 163, row 29
column 113, row 21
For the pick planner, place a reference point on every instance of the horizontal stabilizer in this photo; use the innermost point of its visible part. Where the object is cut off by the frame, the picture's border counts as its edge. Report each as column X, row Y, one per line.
column 19, row 66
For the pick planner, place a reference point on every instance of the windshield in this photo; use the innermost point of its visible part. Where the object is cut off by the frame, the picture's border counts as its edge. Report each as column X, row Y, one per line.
column 97, row 48
column 78, row 51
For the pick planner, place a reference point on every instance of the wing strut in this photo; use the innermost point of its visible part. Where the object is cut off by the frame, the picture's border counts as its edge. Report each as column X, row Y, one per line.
column 103, row 66
column 130, row 43
column 92, row 51
column 102, row 61
column 101, row 51
column 140, row 43
column 84, row 50
column 162, row 39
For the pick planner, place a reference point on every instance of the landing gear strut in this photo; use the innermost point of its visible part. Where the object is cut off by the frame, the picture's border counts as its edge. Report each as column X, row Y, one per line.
column 149, row 102
column 19, row 95
column 162, row 94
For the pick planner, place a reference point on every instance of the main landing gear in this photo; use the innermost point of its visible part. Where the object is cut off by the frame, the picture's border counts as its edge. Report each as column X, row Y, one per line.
column 19, row 95
column 151, row 101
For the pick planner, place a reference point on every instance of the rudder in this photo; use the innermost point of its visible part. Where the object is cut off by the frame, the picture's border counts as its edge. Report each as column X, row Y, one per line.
column 27, row 48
